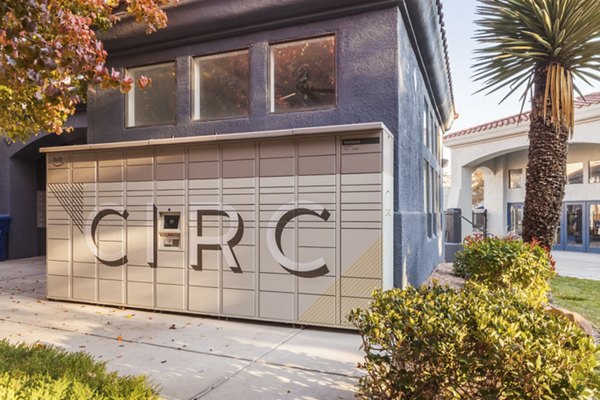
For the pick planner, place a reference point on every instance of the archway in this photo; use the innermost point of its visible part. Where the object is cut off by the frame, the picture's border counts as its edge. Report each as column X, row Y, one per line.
column 25, row 184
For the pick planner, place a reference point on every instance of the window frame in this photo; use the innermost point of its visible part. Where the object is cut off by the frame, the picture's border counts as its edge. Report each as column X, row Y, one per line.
column 590, row 172
column 131, row 92
column 271, row 73
column 521, row 185
column 432, row 140
column 426, row 124
column 427, row 198
column 195, row 85
column 581, row 163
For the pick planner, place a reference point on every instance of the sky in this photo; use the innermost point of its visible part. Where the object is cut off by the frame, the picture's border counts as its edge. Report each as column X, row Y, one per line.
column 474, row 109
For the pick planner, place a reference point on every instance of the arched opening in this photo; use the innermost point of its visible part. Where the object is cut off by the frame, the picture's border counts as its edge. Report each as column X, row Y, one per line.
column 26, row 184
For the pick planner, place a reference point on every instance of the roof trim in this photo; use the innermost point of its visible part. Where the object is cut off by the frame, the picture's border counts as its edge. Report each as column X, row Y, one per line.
column 426, row 21
column 580, row 102
column 320, row 130
column 195, row 21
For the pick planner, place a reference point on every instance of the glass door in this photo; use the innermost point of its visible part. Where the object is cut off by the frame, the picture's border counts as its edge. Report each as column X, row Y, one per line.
column 515, row 219
column 593, row 239
column 559, row 242
column 574, row 228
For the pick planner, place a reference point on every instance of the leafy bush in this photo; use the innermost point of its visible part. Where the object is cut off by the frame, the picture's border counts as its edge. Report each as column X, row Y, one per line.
column 507, row 263
column 435, row 343
column 40, row 372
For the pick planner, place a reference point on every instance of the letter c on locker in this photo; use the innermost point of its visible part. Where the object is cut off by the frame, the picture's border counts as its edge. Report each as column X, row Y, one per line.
column 280, row 219
column 95, row 222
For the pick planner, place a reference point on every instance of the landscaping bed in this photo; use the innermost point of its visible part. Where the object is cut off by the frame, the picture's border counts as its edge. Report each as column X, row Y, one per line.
column 574, row 294
column 481, row 328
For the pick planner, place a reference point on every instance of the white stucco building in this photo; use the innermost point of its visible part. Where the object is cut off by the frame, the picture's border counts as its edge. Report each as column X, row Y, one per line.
column 499, row 149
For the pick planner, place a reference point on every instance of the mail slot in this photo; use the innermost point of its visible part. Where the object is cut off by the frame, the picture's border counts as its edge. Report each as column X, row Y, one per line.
column 289, row 226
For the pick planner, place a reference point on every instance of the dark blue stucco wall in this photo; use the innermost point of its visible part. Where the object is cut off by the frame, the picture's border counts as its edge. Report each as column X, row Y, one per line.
column 4, row 179
column 19, row 179
column 378, row 80
column 366, row 81
column 17, row 199
column 416, row 254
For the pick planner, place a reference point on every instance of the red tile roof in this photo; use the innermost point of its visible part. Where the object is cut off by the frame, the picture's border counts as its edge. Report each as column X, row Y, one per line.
column 580, row 102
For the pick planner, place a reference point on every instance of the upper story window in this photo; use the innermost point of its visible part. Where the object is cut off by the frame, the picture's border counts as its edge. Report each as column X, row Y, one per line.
column 440, row 150
column 154, row 105
column 425, row 123
column 515, row 178
column 221, row 86
column 575, row 173
column 302, row 75
column 594, row 171
column 432, row 130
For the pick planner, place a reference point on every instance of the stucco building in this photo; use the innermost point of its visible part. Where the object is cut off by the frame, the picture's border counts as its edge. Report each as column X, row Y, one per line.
column 499, row 149
column 243, row 66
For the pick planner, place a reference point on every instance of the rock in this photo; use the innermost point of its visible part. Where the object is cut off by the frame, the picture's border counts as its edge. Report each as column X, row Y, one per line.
column 444, row 275
column 574, row 317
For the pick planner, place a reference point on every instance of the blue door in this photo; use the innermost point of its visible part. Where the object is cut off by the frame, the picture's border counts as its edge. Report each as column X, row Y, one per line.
column 593, row 229
column 579, row 228
column 573, row 229
column 515, row 219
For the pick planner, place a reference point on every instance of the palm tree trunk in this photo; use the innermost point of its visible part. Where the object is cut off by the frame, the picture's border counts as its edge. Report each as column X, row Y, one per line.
column 546, row 169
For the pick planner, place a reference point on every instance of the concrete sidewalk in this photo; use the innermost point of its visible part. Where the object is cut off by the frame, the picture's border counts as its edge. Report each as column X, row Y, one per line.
column 190, row 357
column 577, row 265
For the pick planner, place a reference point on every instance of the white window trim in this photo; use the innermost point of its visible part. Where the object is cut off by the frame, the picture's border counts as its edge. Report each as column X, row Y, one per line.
column 130, row 98
column 271, row 66
column 196, row 81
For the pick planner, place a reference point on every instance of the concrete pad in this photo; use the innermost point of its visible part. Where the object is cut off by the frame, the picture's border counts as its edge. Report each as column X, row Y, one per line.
column 577, row 265
column 323, row 350
column 269, row 382
column 179, row 374
column 14, row 269
column 189, row 356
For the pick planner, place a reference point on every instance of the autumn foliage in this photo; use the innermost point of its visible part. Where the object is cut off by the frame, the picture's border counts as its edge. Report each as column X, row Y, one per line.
column 50, row 56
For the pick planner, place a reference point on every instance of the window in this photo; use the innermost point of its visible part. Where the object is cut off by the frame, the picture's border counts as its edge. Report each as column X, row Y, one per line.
column 432, row 134
column 574, row 173
column 427, row 197
column 438, row 146
column 303, row 75
column 425, row 124
column 433, row 201
column 221, row 86
column 515, row 218
column 515, row 178
column 155, row 104
column 594, row 171
column 438, row 203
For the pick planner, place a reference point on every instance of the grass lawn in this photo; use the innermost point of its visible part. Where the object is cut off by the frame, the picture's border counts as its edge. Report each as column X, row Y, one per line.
column 579, row 295
column 40, row 372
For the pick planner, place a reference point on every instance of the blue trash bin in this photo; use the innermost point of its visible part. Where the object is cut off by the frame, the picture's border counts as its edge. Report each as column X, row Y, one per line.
column 4, row 229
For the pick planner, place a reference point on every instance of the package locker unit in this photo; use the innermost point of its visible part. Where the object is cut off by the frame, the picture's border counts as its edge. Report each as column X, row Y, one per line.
column 291, row 226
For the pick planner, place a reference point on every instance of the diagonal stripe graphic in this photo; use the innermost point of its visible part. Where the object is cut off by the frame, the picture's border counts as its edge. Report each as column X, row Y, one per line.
column 70, row 197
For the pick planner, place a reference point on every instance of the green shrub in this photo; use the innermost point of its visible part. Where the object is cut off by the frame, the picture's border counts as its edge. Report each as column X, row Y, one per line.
column 436, row 343
column 507, row 263
column 47, row 373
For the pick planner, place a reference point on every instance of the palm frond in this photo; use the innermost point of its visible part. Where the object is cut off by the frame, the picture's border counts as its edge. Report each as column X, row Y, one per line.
column 560, row 36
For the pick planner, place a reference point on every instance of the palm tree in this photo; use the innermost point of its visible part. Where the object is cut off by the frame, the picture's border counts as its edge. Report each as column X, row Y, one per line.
column 537, row 47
